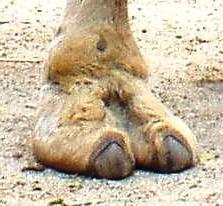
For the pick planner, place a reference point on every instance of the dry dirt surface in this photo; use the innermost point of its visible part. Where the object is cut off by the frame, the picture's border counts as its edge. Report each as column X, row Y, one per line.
column 182, row 42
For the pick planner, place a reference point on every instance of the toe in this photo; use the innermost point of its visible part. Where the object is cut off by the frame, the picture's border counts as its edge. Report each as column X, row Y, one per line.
column 113, row 163
column 177, row 156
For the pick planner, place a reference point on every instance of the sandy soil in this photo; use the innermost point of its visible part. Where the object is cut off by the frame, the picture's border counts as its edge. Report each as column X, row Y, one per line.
column 182, row 42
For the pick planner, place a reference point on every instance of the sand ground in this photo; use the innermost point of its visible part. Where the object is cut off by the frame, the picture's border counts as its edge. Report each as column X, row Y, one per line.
column 182, row 42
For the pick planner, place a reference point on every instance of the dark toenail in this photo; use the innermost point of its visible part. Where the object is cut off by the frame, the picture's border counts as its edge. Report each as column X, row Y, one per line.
column 113, row 162
column 102, row 45
column 178, row 157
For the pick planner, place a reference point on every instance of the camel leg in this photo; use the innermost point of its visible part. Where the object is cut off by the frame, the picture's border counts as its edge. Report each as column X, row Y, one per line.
column 93, row 60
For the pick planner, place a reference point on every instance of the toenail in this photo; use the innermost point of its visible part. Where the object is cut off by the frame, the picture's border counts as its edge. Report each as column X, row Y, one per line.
column 102, row 45
column 113, row 162
column 178, row 156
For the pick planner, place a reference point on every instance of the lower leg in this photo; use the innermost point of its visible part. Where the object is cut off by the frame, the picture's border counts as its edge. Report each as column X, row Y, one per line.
column 98, row 46
column 94, row 37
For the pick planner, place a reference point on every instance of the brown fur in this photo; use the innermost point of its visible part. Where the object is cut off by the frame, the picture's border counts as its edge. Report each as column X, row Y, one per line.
column 97, row 95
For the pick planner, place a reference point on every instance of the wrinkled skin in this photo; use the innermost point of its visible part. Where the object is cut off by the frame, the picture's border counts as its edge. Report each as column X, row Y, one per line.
column 96, row 114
